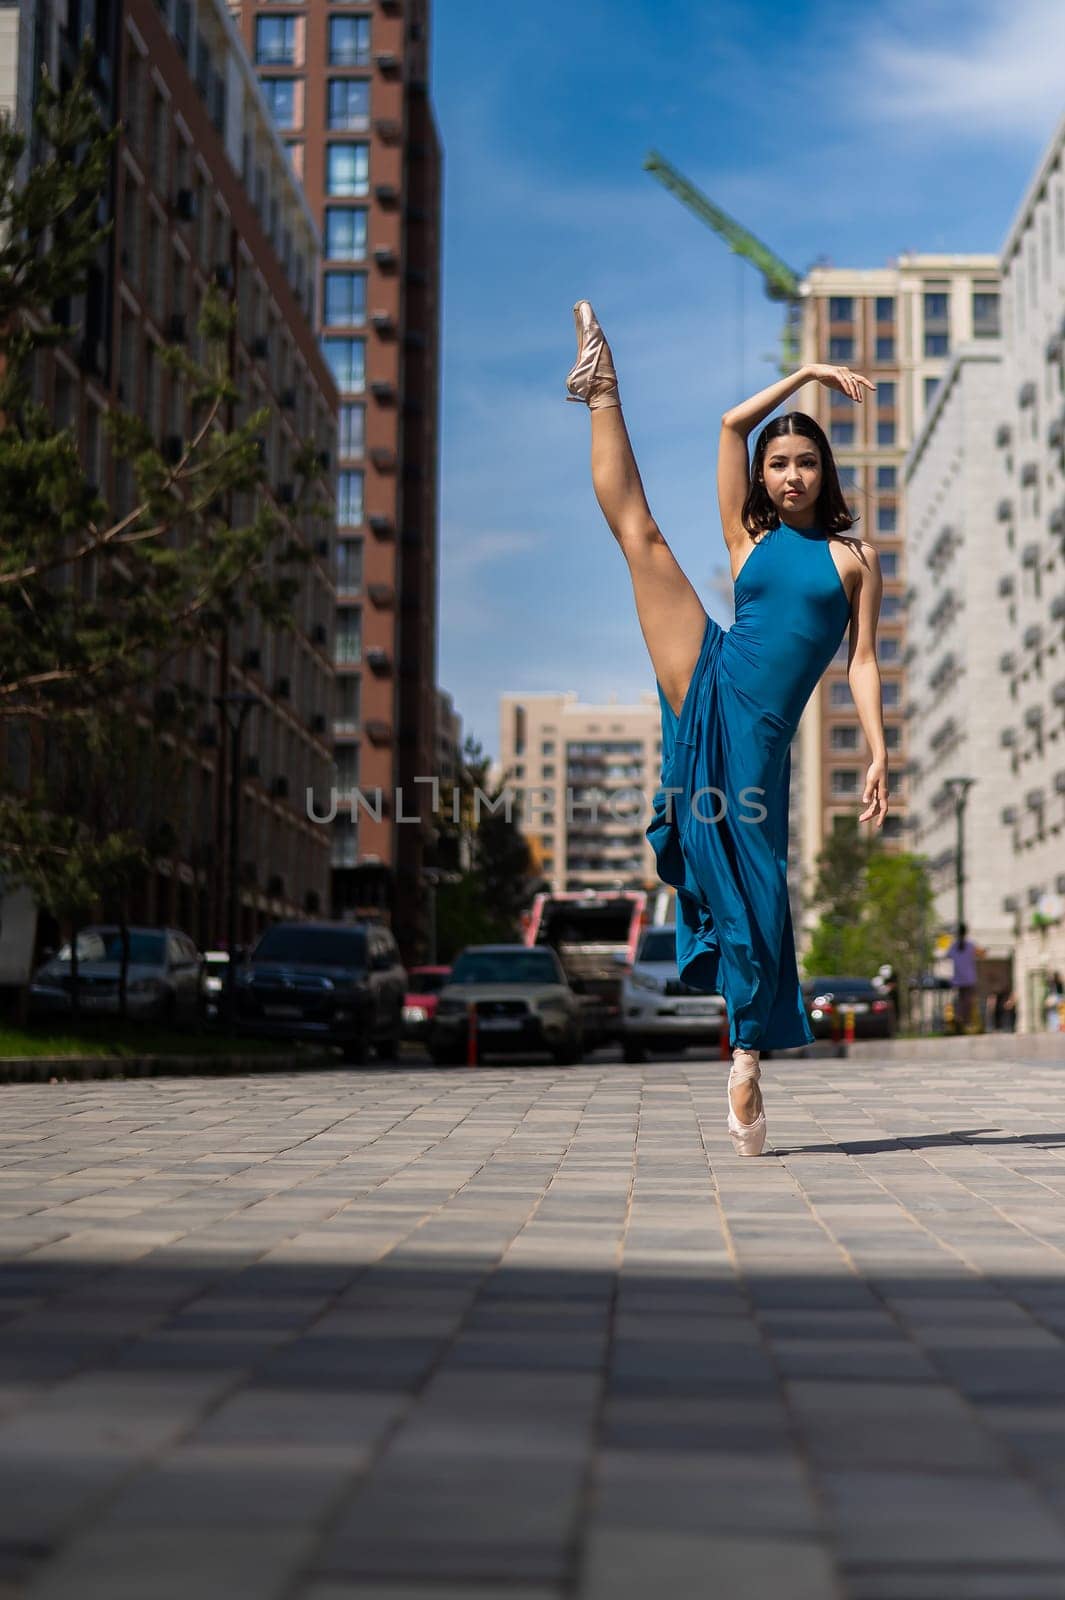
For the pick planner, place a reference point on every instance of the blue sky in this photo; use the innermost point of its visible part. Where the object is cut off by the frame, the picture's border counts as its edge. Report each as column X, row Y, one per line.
column 831, row 131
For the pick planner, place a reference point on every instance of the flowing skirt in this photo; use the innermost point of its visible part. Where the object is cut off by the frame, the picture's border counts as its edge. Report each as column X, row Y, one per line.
column 719, row 830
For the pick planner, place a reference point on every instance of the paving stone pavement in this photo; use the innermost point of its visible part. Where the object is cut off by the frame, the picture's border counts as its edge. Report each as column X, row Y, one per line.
column 528, row 1332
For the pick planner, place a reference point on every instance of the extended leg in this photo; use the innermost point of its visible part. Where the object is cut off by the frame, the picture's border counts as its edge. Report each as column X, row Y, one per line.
column 670, row 612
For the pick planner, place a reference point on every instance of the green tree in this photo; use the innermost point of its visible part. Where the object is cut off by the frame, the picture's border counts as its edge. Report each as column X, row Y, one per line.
column 874, row 908
column 96, row 601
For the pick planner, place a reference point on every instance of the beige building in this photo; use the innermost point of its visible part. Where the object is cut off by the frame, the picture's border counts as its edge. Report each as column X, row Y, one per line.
column 898, row 325
column 582, row 778
column 1029, row 520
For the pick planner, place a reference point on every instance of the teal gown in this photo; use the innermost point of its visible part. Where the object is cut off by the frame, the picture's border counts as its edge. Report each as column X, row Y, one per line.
column 719, row 823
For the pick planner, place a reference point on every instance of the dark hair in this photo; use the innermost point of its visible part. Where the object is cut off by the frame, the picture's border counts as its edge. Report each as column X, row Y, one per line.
column 831, row 514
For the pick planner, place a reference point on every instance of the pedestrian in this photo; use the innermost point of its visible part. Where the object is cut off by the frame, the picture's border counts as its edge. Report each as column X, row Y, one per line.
column 731, row 700
column 1052, row 1005
column 963, row 976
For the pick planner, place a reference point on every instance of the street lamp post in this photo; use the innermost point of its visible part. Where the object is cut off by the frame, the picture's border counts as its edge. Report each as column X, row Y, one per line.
column 958, row 789
column 234, row 707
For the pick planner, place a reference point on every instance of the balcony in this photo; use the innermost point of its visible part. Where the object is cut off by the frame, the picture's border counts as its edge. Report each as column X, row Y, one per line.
column 385, row 393
column 378, row 732
column 387, row 63
column 1026, row 394
column 1004, row 511
column 1006, row 585
column 378, row 661
column 382, row 527
column 384, row 323
column 388, row 130
column 386, row 258
column 382, row 595
column 383, row 458
column 1003, row 435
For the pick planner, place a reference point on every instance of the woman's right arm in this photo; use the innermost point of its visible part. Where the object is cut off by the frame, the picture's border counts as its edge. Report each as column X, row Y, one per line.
column 733, row 467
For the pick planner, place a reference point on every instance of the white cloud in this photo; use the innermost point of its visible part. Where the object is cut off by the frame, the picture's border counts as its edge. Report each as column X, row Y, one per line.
column 1002, row 76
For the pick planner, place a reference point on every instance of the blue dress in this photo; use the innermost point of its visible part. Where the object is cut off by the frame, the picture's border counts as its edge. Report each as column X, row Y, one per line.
column 719, row 824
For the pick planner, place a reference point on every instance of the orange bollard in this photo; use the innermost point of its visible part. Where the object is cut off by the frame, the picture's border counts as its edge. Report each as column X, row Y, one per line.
column 471, row 1034
column 848, row 1026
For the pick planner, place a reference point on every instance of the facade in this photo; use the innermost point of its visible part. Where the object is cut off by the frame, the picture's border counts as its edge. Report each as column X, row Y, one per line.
column 348, row 85
column 202, row 192
column 607, row 760
column 1029, row 444
column 957, row 700
column 898, row 325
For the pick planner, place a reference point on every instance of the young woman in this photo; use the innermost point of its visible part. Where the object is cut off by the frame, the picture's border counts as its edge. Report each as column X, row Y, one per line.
column 731, row 700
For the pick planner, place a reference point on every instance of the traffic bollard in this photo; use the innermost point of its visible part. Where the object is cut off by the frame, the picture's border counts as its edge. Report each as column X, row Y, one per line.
column 848, row 1025
column 471, row 1034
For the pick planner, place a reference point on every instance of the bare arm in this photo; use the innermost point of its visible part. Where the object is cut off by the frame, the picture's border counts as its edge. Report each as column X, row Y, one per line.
column 863, row 675
column 733, row 468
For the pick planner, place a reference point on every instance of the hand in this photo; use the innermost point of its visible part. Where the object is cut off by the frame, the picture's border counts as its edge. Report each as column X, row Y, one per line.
column 841, row 378
column 876, row 792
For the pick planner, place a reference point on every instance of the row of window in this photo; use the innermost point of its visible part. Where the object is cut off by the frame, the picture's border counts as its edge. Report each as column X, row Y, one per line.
column 839, row 692
column 280, row 41
column 849, row 476
column 847, row 735
column 347, row 102
column 935, row 303
column 845, row 433
column 843, row 347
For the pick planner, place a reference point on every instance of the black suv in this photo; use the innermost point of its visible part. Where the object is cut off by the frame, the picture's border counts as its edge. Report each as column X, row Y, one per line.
column 340, row 982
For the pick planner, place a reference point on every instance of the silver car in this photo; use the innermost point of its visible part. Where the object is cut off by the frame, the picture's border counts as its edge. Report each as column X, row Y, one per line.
column 658, row 1011
column 162, row 979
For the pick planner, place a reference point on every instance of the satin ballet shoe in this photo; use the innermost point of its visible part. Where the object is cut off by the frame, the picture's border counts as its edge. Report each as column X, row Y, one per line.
column 592, row 378
column 748, row 1138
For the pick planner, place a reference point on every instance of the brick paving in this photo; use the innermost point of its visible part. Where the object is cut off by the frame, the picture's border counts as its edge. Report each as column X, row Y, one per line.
column 534, row 1333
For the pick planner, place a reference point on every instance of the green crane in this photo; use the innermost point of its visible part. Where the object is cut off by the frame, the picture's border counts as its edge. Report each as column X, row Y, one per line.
column 781, row 283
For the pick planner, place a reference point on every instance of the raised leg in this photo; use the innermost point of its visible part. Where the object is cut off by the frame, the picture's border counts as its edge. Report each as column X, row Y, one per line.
column 672, row 617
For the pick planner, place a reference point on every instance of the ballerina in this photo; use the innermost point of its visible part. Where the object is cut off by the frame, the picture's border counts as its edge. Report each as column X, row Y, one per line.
column 731, row 700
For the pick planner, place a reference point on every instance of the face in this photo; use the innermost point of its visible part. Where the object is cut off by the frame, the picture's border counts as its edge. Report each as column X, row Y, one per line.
column 792, row 472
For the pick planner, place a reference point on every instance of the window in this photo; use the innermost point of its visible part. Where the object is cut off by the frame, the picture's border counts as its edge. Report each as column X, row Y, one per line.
column 349, row 105
column 345, row 234
column 275, row 41
column 838, row 401
column 349, row 564
column 547, row 748
column 845, row 737
column 889, row 563
column 889, row 649
column 891, row 693
column 840, row 308
column 936, row 307
column 890, row 608
column 351, row 430
column 845, row 781
column 349, row 636
column 841, row 432
column 937, row 344
column 885, row 348
column 892, row 736
column 347, row 362
column 930, row 387
column 345, row 298
column 349, row 499
column 885, row 308
column 841, row 349
column 839, row 694
column 848, row 477
column 885, row 396
column 281, row 98
column 886, row 519
column 985, row 314
column 885, row 433
column 347, row 169
column 349, row 41
column 886, row 477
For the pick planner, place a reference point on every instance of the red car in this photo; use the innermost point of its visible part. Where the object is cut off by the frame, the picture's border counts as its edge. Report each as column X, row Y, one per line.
column 419, row 1005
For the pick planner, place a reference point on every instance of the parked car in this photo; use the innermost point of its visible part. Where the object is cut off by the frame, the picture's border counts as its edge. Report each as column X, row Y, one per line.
column 828, row 999
column 339, row 982
column 419, row 1004
column 523, row 1002
column 658, row 1010
column 162, row 977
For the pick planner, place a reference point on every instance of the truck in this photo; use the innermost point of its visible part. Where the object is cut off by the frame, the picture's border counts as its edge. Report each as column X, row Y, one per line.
column 595, row 934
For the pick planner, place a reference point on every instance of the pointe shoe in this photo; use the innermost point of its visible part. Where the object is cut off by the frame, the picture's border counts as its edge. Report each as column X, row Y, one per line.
column 592, row 378
column 748, row 1138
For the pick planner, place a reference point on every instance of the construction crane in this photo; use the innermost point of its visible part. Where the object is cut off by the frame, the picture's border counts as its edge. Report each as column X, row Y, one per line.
column 781, row 283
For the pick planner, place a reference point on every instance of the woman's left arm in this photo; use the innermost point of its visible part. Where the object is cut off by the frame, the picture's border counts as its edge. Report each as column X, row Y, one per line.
column 863, row 675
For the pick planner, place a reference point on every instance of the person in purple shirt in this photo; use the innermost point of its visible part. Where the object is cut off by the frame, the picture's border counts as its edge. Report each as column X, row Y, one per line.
column 963, row 958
